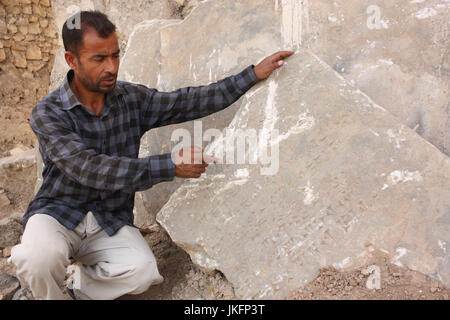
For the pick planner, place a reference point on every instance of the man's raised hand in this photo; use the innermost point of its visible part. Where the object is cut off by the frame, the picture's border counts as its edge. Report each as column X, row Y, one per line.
column 190, row 162
column 270, row 63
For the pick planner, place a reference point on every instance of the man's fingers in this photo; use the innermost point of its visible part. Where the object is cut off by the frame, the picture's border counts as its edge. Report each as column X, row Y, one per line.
column 284, row 54
column 279, row 56
column 210, row 159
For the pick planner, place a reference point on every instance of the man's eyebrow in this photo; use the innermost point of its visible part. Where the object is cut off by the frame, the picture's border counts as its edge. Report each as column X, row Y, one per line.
column 105, row 55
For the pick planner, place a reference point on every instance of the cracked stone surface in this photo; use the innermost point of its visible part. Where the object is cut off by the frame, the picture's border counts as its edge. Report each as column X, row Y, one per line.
column 396, row 52
column 350, row 176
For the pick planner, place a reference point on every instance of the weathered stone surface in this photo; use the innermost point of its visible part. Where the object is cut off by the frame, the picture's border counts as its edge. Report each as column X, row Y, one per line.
column 10, row 232
column 397, row 53
column 350, row 176
column 34, row 53
column 344, row 183
column 19, row 59
column 142, row 56
column 8, row 286
column 34, row 28
column 23, row 294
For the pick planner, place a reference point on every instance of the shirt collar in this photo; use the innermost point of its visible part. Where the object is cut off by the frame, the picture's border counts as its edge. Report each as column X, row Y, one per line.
column 68, row 98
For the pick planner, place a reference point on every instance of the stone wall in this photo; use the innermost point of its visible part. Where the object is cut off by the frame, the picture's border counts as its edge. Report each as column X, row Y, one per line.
column 28, row 42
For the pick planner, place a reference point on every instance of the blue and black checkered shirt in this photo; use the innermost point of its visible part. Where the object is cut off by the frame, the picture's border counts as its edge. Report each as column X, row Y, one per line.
column 91, row 161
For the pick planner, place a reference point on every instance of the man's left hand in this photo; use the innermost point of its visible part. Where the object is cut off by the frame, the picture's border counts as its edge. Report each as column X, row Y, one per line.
column 275, row 61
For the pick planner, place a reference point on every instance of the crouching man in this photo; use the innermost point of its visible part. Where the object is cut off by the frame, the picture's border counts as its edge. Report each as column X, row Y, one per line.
column 89, row 132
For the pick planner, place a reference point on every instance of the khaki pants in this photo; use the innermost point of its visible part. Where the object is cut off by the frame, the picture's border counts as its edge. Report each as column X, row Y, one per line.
column 107, row 267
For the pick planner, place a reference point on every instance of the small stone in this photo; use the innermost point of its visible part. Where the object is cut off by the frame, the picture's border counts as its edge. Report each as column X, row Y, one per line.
column 45, row 3
column 4, row 201
column 33, row 28
column 43, row 23
column 34, row 53
column 7, row 252
column 23, row 29
column 50, row 32
column 8, row 286
column 23, row 294
column 39, row 10
column 11, row 19
column 19, row 47
column 8, row 2
column 18, row 37
column 27, row 10
column 37, row 65
column 12, row 10
column 12, row 28
column 10, row 232
column 33, row 18
column 433, row 289
column 19, row 59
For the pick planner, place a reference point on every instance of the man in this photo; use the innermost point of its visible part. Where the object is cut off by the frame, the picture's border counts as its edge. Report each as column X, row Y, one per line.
column 89, row 131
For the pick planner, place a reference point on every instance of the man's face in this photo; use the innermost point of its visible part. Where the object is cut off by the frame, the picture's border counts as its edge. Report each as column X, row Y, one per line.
column 98, row 62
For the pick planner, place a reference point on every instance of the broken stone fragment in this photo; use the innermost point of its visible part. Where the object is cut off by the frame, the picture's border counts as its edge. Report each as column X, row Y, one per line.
column 8, row 286
column 10, row 232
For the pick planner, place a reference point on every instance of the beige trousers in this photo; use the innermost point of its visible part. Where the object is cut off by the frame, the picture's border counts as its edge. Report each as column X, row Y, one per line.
column 107, row 267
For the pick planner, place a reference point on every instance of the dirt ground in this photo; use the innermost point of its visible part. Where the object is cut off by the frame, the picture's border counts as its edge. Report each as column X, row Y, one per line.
column 184, row 281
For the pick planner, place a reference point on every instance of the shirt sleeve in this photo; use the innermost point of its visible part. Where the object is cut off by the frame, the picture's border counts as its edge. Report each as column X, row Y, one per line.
column 190, row 103
column 64, row 147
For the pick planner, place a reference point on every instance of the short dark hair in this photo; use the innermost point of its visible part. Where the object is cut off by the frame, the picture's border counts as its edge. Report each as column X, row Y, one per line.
column 72, row 33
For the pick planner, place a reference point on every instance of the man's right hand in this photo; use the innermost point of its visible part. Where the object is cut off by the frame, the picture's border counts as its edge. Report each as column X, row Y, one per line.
column 190, row 162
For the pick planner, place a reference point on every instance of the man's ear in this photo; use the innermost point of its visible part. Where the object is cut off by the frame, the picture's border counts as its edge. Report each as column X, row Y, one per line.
column 71, row 59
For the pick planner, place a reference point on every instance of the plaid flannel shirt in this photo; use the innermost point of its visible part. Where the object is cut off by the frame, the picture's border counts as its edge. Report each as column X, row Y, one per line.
column 91, row 162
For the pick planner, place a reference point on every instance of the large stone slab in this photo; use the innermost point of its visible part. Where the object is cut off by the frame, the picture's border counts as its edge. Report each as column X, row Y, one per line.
column 350, row 178
column 397, row 59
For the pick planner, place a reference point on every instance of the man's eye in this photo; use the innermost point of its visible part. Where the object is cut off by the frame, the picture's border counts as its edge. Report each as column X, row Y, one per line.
column 116, row 56
column 99, row 59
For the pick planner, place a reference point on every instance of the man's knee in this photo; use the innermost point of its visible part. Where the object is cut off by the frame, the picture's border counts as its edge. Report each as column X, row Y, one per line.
column 146, row 274
column 40, row 260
